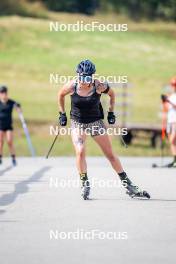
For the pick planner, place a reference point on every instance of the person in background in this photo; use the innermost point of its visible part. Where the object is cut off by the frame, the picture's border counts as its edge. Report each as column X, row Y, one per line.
column 170, row 100
column 6, row 122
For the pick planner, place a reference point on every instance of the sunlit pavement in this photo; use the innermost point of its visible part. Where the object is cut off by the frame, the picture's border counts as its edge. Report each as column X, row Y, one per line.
column 41, row 198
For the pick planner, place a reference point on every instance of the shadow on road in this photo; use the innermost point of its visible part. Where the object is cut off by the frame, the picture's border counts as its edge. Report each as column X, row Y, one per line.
column 2, row 212
column 6, row 169
column 22, row 187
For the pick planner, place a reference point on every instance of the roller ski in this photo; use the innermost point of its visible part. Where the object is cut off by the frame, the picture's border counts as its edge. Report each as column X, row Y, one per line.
column 138, row 194
column 85, row 190
column 132, row 190
column 170, row 165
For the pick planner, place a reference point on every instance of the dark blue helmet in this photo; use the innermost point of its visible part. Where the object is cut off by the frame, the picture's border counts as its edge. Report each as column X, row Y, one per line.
column 85, row 67
column 3, row 89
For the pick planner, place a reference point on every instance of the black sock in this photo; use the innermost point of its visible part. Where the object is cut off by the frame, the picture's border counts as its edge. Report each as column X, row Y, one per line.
column 122, row 175
column 124, row 178
column 0, row 157
column 174, row 158
column 83, row 176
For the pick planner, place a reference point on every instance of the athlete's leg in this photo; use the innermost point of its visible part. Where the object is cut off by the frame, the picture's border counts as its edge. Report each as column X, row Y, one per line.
column 79, row 144
column 173, row 144
column 172, row 140
column 105, row 144
column 78, row 140
column 2, row 133
column 9, row 138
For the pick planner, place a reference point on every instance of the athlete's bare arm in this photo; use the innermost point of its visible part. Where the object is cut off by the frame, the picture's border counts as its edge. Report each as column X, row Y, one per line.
column 112, row 100
column 18, row 108
column 173, row 105
column 101, row 87
column 65, row 90
column 167, row 100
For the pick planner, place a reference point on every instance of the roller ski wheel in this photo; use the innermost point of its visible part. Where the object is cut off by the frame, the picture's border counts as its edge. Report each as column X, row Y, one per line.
column 141, row 194
column 86, row 190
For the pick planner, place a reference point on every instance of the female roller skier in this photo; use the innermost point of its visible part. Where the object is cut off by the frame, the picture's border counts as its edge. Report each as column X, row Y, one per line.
column 171, row 120
column 6, row 122
column 87, row 114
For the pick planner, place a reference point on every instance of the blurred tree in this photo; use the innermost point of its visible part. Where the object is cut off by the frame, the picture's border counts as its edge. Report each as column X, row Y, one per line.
column 9, row 6
column 86, row 6
column 66, row 6
column 136, row 9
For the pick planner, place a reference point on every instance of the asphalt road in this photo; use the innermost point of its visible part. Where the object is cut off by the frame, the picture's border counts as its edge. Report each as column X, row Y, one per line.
column 44, row 220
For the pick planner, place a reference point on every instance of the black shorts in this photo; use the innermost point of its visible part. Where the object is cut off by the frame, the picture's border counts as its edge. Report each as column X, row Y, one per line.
column 5, row 128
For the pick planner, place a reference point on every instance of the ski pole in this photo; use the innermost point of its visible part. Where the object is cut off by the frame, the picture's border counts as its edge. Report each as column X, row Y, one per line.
column 123, row 141
column 121, row 138
column 26, row 131
column 49, row 151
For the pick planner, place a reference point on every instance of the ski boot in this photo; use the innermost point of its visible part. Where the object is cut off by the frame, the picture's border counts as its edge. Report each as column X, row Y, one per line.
column 171, row 165
column 14, row 161
column 85, row 190
column 135, row 192
column 132, row 190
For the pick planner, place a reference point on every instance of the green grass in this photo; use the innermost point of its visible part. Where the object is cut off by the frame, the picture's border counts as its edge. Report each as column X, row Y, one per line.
column 29, row 53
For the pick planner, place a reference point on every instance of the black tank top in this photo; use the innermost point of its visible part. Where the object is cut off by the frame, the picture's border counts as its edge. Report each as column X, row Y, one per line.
column 86, row 109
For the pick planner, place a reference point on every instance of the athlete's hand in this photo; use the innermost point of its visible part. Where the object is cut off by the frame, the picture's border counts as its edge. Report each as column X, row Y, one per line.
column 164, row 98
column 111, row 118
column 62, row 119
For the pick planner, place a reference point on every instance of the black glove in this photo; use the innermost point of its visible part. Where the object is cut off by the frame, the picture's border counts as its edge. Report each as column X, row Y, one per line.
column 164, row 98
column 111, row 118
column 62, row 119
